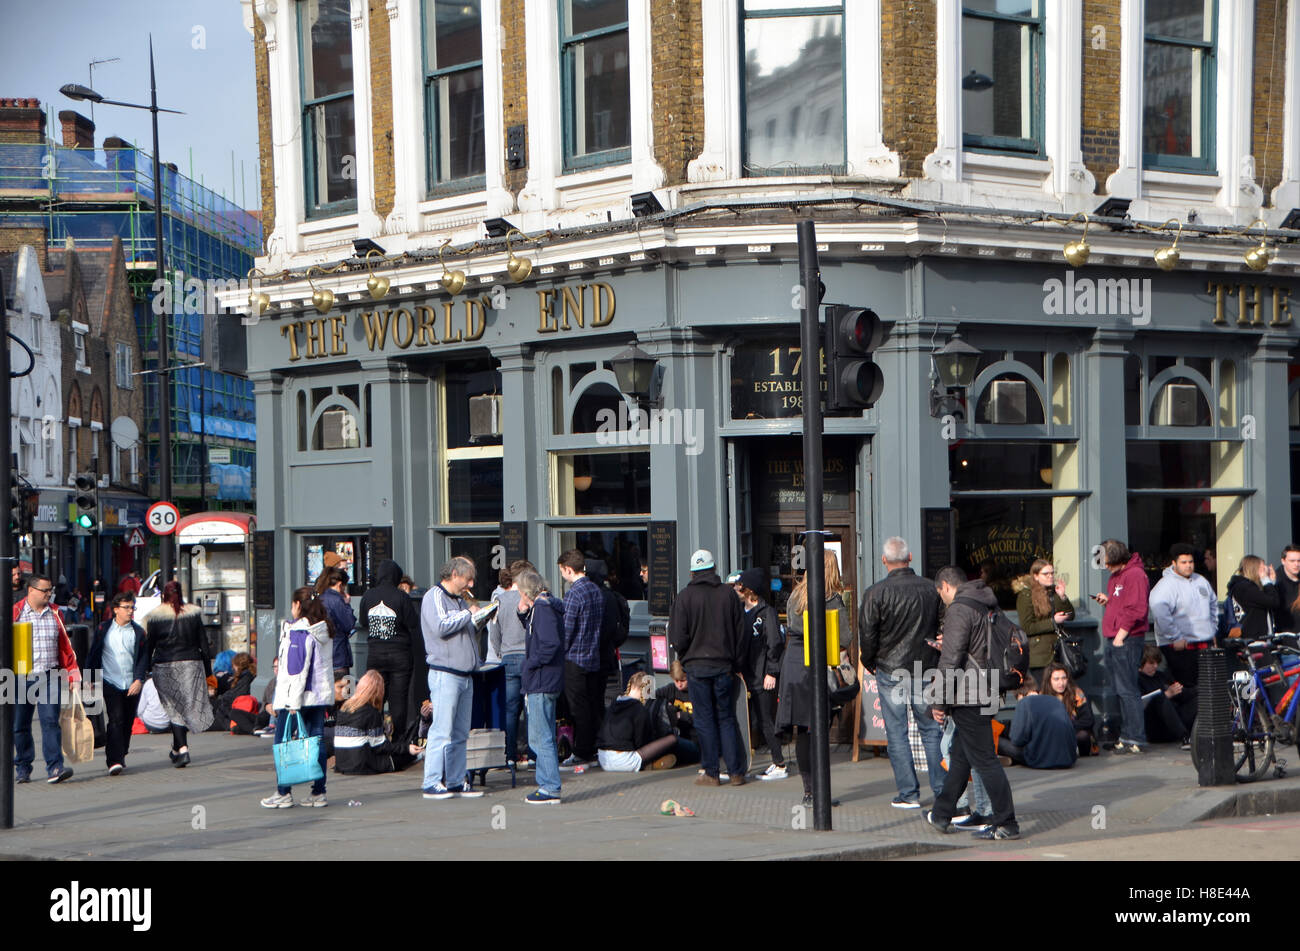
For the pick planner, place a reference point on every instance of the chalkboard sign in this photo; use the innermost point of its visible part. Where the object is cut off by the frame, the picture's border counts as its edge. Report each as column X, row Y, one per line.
column 264, row 569
column 871, row 727
column 663, row 567
column 514, row 539
column 380, row 548
column 938, row 541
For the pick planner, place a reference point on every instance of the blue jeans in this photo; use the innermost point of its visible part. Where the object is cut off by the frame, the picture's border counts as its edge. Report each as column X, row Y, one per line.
column 714, row 702
column 894, row 711
column 51, row 733
column 1122, row 663
column 541, row 737
column 444, row 756
column 514, row 667
column 975, row 792
column 314, row 719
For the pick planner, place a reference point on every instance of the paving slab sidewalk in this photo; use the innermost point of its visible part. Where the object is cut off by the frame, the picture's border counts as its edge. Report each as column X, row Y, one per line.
column 210, row 810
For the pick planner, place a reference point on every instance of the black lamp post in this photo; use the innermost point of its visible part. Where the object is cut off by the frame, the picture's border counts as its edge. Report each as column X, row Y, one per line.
column 78, row 92
column 955, row 364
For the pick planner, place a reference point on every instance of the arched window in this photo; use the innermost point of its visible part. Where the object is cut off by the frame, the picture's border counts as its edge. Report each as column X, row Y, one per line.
column 1009, row 399
column 598, row 405
column 334, row 416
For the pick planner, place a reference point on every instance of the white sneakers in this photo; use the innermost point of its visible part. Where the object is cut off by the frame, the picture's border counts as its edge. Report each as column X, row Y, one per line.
column 774, row 772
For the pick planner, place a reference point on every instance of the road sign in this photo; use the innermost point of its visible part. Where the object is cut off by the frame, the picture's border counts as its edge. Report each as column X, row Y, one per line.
column 135, row 539
column 162, row 518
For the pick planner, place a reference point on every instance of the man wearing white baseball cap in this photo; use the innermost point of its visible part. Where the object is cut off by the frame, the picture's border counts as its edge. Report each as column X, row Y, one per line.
column 705, row 628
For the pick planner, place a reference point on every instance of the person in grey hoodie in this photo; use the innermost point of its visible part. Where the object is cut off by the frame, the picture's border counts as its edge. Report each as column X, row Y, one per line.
column 506, row 640
column 451, row 651
column 1186, row 614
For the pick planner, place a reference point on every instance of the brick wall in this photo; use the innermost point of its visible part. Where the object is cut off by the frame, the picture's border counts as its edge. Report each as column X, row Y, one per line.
column 11, row 239
column 266, row 162
column 514, row 83
column 907, row 51
column 1101, row 65
column 677, row 60
column 1269, row 84
column 22, row 121
column 381, row 107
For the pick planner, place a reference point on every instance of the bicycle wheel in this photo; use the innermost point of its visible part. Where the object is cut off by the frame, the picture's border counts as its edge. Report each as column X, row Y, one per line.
column 1252, row 739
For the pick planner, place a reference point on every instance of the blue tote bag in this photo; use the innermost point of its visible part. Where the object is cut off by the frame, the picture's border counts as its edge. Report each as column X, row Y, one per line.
column 297, row 760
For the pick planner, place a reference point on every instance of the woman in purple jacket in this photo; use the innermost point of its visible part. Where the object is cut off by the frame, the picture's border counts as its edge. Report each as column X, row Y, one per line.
column 542, row 679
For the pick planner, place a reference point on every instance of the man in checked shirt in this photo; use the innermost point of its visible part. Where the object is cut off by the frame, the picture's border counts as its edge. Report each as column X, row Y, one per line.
column 51, row 653
column 584, row 684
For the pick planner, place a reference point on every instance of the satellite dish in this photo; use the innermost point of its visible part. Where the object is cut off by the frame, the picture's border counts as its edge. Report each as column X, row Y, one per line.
column 125, row 432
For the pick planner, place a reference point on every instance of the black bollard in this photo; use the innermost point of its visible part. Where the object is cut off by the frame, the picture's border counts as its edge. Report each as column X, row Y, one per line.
column 1213, row 739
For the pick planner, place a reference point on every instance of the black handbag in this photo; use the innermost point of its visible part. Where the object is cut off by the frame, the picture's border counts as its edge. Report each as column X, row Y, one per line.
column 1068, row 652
column 842, row 684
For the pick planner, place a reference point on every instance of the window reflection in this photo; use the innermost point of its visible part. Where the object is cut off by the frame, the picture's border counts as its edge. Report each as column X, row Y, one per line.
column 794, row 93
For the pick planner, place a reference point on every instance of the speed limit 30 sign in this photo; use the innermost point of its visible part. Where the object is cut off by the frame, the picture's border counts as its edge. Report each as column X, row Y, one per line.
column 162, row 518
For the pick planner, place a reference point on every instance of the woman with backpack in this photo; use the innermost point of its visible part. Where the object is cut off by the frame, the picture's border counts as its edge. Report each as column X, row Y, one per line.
column 794, row 708
column 180, row 664
column 304, row 686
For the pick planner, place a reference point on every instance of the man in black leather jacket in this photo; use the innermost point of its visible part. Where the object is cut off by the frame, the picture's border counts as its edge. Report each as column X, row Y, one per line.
column 899, row 614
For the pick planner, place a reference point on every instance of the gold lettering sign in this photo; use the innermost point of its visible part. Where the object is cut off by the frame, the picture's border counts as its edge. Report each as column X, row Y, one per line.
column 580, row 307
column 1251, row 303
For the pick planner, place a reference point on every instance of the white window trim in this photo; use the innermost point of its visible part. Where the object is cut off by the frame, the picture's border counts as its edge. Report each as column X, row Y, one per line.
column 412, row 211
column 293, row 232
column 546, row 178
column 1287, row 193
column 1232, row 188
column 1061, row 171
column 865, row 152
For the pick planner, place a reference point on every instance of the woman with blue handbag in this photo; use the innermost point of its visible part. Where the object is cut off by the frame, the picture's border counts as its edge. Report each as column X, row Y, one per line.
column 304, row 690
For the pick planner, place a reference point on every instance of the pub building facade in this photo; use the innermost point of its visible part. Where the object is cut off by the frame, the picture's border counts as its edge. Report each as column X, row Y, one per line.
column 655, row 190
column 433, row 425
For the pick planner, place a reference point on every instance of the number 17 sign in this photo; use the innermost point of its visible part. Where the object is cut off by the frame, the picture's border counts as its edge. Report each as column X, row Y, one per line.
column 162, row 518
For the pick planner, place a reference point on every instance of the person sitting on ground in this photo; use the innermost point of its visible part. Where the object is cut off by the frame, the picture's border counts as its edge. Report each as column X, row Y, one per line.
column 1169, row 707
column 1058, row 683
column 671, row 711
column 624, row 744
column 360, row 745
column 266, row 719
column 243, row 669
column 1042, row 734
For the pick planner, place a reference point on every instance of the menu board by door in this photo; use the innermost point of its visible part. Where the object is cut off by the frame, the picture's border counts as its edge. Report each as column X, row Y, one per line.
column 938, row 541
column 871, row 724
column 380, row 547
column 662, row 563
column 514, row 539
column 264, row 569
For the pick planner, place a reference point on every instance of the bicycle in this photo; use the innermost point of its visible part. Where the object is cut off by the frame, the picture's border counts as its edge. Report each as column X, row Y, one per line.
column 1257, row 724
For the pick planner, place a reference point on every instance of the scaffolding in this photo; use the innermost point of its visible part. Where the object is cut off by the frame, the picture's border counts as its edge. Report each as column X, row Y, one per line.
column 95, row 195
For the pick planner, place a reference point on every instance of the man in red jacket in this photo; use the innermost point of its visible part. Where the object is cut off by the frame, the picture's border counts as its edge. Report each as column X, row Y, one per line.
column 51, row 653
column 1124, row 626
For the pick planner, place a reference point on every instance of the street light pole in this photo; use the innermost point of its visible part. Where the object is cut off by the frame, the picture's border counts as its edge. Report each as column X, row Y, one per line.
column 166, row 552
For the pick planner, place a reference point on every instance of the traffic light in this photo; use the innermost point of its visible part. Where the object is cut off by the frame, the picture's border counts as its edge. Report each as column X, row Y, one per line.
column 87, row 499
column 853, row 381
column 17, row 506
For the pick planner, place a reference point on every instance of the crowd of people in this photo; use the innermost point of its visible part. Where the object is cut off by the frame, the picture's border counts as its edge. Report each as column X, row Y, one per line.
column 558, row 654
